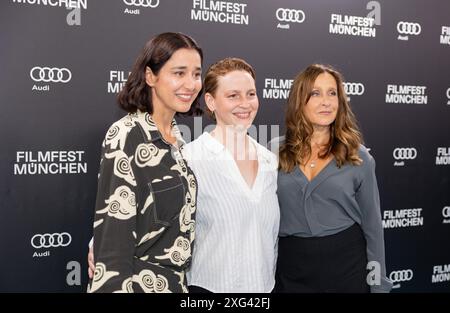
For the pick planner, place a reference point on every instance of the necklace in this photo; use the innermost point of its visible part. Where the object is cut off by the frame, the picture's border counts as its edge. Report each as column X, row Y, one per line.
column 313, row 161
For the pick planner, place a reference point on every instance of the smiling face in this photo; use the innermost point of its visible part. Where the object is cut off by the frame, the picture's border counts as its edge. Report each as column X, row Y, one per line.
column 177, row 83
column 322, row 106
column 234, row 102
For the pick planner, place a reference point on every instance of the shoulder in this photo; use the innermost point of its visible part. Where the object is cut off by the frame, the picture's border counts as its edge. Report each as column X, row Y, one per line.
column 195, row 143
column 194, row 148
column 367, row 167
column 266, row 154
column 275, row 143
column 127, row 121
column 117, row 133
column 365, row 155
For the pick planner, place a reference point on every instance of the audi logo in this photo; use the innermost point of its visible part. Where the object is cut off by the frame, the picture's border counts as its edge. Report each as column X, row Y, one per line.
column 354, row 89
column 407, row 28
column 446, row 212
column 399, row 276
column 50, row 74
column 405, row 153
column 290, row 15
column 51, row 240
column 142, row 3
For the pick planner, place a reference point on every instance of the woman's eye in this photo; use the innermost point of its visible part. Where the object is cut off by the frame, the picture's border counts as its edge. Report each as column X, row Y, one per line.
column 179, row 73
column 333, row 93
column 314, row 93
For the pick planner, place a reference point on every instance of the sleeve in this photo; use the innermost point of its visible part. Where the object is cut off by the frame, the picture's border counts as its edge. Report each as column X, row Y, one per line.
column 368, row 200
column 114, row 223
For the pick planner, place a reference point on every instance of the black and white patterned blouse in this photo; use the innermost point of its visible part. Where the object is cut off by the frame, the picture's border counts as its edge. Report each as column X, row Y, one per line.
column 145, row 210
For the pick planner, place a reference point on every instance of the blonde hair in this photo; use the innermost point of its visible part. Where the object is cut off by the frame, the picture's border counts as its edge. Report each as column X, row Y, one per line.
column 345, row 137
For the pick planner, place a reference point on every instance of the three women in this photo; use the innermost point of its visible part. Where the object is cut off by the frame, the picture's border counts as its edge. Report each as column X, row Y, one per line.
column 147, row 198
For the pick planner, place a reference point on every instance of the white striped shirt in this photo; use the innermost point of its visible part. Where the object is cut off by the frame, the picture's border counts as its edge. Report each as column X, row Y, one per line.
column 237, row 226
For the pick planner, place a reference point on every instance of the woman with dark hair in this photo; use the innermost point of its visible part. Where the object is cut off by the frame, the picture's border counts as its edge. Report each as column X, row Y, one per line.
column 146, row 197
column 330, row 229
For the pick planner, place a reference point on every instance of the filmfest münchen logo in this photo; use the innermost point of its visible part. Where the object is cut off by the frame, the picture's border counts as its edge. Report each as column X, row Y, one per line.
column 226, row 12
column 406, row 29
column 443, row 156
column 286, row 17
column 137, row 4
column 50, row 162
column 359, row 26
column 44, row 75
column 75, row 4
column 401, row 218
column 406, row 94
column 441, row 273
column 445, row 35
column 117, row 80
column 277, row 88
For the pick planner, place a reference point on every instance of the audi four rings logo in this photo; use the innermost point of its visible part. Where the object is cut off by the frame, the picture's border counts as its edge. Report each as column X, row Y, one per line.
column 399, row 276
column 407, row 28
column 142, row 3
column 50, row 74
column 290, row 15
column 446, row 212
column 405, row 153
column 354, row 89
column 51, row 240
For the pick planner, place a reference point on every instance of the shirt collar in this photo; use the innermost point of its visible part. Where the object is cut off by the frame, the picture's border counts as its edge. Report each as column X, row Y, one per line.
column 216, row 147
column 212, row 144
column 151, row 130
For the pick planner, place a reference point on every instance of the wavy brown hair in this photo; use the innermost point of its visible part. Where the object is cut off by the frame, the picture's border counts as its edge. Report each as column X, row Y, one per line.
column 345, row 137
column 136, row 94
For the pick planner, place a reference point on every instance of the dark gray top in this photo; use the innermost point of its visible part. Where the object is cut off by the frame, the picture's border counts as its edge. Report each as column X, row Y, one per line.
column 333, row 201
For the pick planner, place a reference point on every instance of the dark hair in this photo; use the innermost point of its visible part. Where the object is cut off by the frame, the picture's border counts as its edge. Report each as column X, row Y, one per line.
column 136, row 94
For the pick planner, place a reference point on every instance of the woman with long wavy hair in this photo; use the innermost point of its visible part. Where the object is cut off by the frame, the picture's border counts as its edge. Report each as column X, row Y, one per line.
column 330, row 229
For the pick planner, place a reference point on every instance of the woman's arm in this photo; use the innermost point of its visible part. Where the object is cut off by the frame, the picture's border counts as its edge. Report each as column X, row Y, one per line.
column 368, row 199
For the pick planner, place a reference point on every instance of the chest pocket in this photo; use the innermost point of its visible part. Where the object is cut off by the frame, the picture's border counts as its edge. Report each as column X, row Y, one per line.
column 169, row 198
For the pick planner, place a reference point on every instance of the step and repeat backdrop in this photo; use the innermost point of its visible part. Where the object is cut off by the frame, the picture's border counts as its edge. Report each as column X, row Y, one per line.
column 64, row 61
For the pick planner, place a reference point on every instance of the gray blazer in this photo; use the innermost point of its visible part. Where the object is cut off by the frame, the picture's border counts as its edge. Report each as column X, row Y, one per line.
column 333, row 201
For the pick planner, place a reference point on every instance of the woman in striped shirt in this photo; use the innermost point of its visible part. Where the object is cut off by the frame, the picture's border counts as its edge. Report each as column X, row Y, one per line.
column 237, row 207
